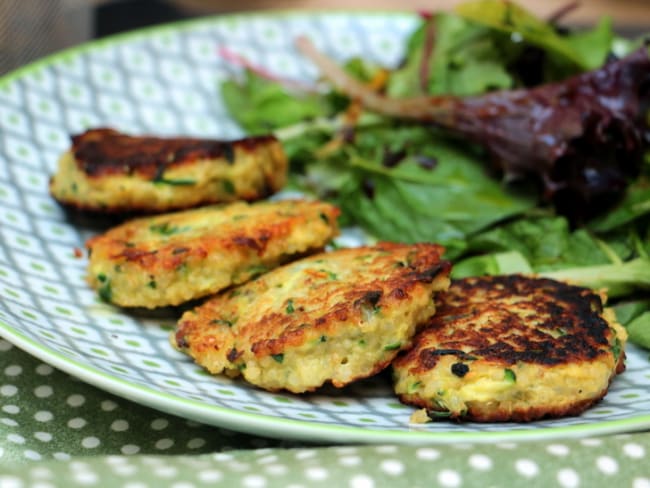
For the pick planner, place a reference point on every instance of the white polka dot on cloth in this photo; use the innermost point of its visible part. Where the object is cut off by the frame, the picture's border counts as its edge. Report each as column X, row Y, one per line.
column 120, row 425
column 43, row 416
column 557, row 449
column 449, row 478
column 8, row 390
column 480, row 462
column 77, row 423
column 196, row 443
column 11, row 409
column 44, row 369
column 635, row 451
column 641, row 483
column 43, row 436
column 527, row 468
column 159, row 424
column 254, row 481
column 361, row 481
column 276, row 469
column 210, row 476
column 607, row 465
column 393, row 467
column 108, row 405
column 90, row 442
column 76, row 400
column 13, row 370
column 43, row 391
column 568, row 478
column 350, row 460
column 129, row 449
column 427, row 453
column 164, row 444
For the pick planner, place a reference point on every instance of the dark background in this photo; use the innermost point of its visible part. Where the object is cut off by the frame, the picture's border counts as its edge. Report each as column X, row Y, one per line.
column 30, row 29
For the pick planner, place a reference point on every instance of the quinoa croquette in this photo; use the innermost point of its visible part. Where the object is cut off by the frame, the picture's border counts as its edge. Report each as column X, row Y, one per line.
column 512, row 348
column 108, row 171
column 332, row 317
column 171, row 258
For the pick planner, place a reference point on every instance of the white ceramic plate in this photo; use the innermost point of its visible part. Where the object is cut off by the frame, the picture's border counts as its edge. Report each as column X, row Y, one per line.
column 165, row 81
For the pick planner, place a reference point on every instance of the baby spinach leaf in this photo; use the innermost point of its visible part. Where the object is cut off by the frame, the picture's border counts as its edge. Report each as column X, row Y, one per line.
column 514, row 20
column 508, row 262
column 635, row 204
column 260, row 105
column 450, row 55
column 639, row 330
column 618, row 279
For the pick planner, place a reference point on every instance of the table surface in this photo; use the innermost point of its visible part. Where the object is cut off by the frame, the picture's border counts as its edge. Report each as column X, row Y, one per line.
column 58, row 431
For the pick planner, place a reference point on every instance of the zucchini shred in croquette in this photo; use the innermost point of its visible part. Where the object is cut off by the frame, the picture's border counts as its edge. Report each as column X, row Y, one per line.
column 172, row 258
column 108, row 171
column 512, row 348
column 333, row 317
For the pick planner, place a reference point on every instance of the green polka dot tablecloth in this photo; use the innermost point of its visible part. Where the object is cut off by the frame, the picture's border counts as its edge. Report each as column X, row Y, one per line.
column 100, row 398
column 58, row 431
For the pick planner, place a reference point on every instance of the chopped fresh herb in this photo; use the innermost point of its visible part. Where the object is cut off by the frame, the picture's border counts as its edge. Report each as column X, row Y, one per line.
column 152, row 284
column 616, row 348
column 229, row 153
column 438, row 414
column 227, row 323
column 228, row 187
column 509, row 375
column 278, row 358
column 257, row 269
column 174, row 182
column 323, row 338
column 166, row 228
column 101, row 277
column 362, row 342
column 392, row 347
column 105, row 291
column 324, row 218
column 414, row 387
column 331, row 275
column 290, row 308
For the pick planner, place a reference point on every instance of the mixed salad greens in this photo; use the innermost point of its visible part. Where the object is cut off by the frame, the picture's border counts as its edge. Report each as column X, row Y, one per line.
column 405, row 180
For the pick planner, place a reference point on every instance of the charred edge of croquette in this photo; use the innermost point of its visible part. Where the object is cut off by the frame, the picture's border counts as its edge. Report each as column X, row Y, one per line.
column 577, row 309
column 103, row 151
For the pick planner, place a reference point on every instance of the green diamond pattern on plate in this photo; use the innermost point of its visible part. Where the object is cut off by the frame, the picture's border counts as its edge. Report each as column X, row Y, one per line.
column 165, row 81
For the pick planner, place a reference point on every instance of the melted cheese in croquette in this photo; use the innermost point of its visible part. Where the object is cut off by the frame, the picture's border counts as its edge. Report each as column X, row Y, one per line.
column 107, row 171
column 333, row 317
column 512, row 348
column 172, row 258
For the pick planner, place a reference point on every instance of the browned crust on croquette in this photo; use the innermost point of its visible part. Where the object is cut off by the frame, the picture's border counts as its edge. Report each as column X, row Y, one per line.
column 507, row 321
column 389, row 292
column 250, row 322
column 103, row 151
column 175, row 257
column 572, row 311
column 106, row 171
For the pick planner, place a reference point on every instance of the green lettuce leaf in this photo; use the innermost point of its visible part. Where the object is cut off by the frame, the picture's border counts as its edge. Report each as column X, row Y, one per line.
column 260, row 105
column 586, row 50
